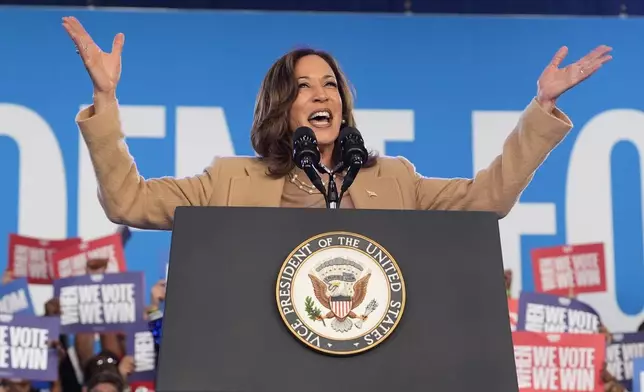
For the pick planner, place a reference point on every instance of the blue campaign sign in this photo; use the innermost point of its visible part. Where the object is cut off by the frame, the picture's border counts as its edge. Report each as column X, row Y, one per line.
column 15, row 298
column 638, row 375
column 442, row 91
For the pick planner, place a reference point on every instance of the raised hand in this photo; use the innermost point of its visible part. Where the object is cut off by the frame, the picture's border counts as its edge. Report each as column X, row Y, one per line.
column 7, row 277
column 554, row 81
column 126, row 366
column 104, row 68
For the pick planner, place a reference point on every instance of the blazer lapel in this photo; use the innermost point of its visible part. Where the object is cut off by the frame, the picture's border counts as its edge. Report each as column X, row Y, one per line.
column 368, row 191
column 372, row 191
column 256, row 189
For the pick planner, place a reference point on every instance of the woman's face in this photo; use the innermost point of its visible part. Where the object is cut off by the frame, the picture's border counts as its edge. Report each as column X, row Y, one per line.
column 318, row 104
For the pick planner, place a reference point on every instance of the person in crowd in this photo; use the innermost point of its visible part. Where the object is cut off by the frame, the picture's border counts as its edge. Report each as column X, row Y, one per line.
column 507, row 277
column 84, row 342
column 113, row 345
column 306, row 87
column 108, row 362
column 154, row 314
column 106, row 381
column 17, row 385
column 611, row 384
column 104, row 361
column 157, row 295
column 67, row 380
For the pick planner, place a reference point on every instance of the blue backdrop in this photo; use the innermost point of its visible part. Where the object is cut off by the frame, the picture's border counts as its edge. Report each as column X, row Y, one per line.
column 443, row 69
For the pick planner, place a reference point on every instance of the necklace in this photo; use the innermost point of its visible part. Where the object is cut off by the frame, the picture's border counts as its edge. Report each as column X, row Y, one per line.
column 310, row 189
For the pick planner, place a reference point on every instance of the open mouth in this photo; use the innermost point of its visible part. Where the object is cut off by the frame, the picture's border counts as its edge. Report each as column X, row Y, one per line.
column 321, row 118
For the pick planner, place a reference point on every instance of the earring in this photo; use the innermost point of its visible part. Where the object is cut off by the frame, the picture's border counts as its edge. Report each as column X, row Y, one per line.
column 344, row 121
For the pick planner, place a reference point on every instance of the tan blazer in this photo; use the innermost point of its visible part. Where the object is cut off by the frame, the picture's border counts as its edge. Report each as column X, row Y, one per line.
column 392, row 183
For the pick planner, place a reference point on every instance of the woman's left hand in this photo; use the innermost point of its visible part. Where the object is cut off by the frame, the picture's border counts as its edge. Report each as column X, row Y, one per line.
column 554, row 81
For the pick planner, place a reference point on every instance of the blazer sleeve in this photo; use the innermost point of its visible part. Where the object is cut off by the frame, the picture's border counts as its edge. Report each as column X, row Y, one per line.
column 126, row 197
column 498, row 187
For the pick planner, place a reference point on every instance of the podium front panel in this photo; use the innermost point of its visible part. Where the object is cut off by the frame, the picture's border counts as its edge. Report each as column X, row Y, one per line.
column 223, row 331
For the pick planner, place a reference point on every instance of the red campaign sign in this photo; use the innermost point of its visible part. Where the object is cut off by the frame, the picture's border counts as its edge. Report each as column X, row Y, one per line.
column 142, row 386
column 569, row 270
column 32, row 258
column 559, row 362
column 72, row 261
column 513, row 309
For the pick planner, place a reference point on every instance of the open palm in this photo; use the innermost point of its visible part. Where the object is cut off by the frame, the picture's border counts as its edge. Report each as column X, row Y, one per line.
column 554, row 81
column 104, row 68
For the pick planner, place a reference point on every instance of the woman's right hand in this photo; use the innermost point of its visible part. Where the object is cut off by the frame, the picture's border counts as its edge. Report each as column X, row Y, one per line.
column 104, row 68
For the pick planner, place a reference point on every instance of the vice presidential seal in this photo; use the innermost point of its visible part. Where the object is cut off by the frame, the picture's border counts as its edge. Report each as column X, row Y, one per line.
column 340, row 293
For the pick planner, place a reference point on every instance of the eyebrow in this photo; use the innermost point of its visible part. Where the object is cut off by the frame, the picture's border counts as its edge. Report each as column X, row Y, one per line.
column 324, row 77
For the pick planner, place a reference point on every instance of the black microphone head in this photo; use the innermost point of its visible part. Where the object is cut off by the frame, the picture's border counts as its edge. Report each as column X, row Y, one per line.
column 305, row 147
column 303, row 132
column 352, row 147
column 346, row 131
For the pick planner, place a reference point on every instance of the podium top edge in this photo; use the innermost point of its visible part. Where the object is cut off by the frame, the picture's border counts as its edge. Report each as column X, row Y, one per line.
column 353, row 210
column 461, row 214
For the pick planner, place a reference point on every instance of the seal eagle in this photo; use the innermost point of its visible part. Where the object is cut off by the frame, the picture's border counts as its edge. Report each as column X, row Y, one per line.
column 340, row 297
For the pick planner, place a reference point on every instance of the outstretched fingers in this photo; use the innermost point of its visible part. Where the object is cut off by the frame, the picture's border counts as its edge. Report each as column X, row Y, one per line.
column 595, row 58
column 559, row 56
column 70, row 31
column 597, row 53
column 79, row 36
column 117, row 45
column 591, row 69
column 596, row 64
column 78, row 29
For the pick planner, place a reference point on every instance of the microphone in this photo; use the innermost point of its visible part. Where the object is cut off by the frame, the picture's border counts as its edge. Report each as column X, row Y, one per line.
column 306, row 155
column 354, row 155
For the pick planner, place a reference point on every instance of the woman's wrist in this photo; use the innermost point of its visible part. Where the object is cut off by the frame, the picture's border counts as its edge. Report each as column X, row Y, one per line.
column 546, row 104
column 103, row 100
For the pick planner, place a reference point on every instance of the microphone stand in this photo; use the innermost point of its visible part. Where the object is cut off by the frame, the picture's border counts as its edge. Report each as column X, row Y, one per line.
column 332, row 198
column 349, row 177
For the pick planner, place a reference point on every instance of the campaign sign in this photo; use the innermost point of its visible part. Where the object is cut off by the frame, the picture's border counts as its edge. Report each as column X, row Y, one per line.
column 72, row 261
column 32, row 258
column 638, row 375
column 140, row 345
column 15, row 298
column 565, row 270
column 513, row 309
column 540, row 312
column 621, row 353
column 25, row 350
column 100, row 302
column 558, row 362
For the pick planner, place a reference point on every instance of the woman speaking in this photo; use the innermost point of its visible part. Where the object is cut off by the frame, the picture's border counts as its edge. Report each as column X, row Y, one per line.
column 307, row 88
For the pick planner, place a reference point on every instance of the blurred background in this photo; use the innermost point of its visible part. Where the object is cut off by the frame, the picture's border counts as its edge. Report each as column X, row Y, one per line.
column 501, row 7
column 441, row 82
